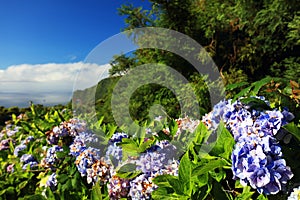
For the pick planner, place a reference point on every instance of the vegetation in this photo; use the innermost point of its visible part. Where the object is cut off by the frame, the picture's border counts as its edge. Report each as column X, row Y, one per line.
column 245, row 147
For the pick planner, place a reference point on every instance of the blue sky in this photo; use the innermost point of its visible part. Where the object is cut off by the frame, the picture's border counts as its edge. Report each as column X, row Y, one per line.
column 60, row 31
column 43, row 45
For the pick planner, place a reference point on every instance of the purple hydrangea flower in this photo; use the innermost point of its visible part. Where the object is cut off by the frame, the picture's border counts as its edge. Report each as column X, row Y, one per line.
column 4, row 144
column 10, row 168
column 118, row 187
column 141, row 187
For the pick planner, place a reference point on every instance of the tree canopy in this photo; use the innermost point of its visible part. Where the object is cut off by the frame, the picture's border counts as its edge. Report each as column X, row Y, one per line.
column 256, row 38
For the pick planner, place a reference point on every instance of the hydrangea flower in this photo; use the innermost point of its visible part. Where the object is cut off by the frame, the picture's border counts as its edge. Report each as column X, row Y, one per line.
column 23, row 145
column 72, row 128
column 4, row 144
column 99, row 171
column 141, row 187
column 28, row 159
column 257, row 158
column 295, row 195
column 51, row 157
column 118, row 187
column 186, row 124
column 114, row 153
column 19, row 148
column 86, row 159
column 52, row 181
column 11, row 130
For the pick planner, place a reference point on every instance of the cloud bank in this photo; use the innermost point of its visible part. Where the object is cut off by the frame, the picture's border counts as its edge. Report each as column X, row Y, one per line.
column 47, row 84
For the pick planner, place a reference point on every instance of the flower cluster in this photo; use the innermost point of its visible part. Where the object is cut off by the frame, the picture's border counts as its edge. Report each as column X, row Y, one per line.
column 51, row 157
column 295, row 195
column 118, row 187
column 114, row 153
column 68, row 128
column 23, row 145
column 141, row 187
column 10, row 130
column 156, row 160
column 88, row 160
column 257, row 157
column 186, row 124
column 28, row 160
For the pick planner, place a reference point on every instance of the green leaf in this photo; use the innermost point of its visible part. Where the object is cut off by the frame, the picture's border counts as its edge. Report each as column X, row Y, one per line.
column 62, row 178
column 129, row 167
column 224, row 143
column 210, row 166
column 96, row 192
column 259, row 84
column 145, row 145
column 262, row 197
column 293, row 129
column 235, row 85
column 255, row 103
column 23, row 184
column 243, row 92
column 246, row 194
column 185, row 173
column 128, row 171
column 33, row 197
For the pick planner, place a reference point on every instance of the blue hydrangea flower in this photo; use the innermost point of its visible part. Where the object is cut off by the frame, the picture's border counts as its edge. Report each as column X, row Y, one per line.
column 11, row 131
column 19, row 148
column 28, row 160
column 25, row 158
column 86, row 159
column 77, row 146
column 114, row 154
column 257, row 157
column 117, row 137
column 51, row 157
column 31, row 164
column 52, row 181
column 27, row 140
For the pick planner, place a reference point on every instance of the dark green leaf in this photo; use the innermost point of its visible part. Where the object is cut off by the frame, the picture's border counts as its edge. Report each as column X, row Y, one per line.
column 210, row 166
column 293, row 129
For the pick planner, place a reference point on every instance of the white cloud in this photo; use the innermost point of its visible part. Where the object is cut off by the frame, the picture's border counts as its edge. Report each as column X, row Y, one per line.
column 50, row 83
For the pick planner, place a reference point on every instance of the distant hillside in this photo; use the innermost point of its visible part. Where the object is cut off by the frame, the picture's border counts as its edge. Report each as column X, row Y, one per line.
column 99, row 95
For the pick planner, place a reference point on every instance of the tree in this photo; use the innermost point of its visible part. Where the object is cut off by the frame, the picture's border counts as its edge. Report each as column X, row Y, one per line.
column 257, row 37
